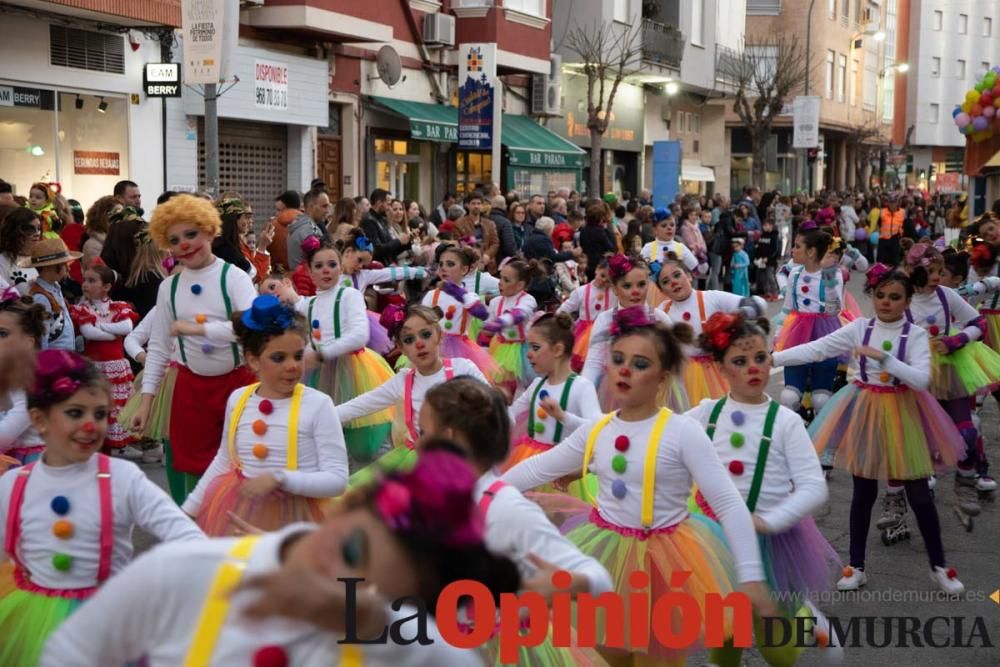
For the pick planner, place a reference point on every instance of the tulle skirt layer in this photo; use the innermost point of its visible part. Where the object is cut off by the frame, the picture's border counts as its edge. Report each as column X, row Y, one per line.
column 378, row 338
column 968, row 371
column 702, row 379
column 581, row 332
column 270, row 512
column 118, row 373
column 800, row 328
column 158, row 427
column 397, row 459
column 879, row 433
column 460, row 347
column 851, row 310
column 799, row 562
column 512, row 358
column 27, row 619
column 348, row 377
column 545, row 655
column 526, row 447
column 991, row 336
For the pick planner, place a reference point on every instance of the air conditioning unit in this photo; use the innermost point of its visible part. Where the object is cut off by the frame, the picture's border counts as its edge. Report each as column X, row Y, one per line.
column 546, row 90
column 439, row 30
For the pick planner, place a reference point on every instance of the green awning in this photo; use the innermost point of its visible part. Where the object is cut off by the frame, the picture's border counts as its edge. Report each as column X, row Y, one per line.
column 529, row 145
column 428, row 122
column 532, row 145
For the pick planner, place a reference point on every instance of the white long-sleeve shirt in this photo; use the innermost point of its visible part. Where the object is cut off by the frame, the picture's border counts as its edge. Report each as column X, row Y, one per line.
column 365, row 278
column 690, row 310
column 588, row 301
column 135, row 342
column 105, row 329
column 322, row 453
column 391, row 393
column 517, row 527
column 656, row 251
column 136, row 501
column 481, row 283
column 927, row 310
column 600, row 343
column 456, row 320
column 914, row 370
column 15, row 424
column 525, row 304
column 205, row 356
column 324, row 316
column 156, row 605
column 581, row 407
column 685, row 454
column 805, row 287
column 793, row 486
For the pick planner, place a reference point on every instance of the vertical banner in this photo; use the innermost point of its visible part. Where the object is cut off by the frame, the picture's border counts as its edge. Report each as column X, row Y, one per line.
column 806, row 122
column 203, row 24
column 666, row 172
column 477, row 97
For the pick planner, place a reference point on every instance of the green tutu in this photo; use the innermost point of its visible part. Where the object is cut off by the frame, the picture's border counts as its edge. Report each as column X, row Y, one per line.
column 968, row 371
column 158, row 426
column 398, row 459
column 27, row 619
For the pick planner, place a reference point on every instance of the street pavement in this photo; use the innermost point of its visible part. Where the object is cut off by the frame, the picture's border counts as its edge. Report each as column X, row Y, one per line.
column 898, row 581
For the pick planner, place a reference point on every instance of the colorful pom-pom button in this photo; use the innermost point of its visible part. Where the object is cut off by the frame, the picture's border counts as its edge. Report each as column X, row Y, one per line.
column 933, row 330
column 207, row 348
column 60, row 505
column 738, row 417
column 884, row 377
column 259, row 427
column 806, row 301
column 931, row 319
column 315, row 324
column 260, row 451
column 451, row 311
column 543, row 394
column 63, row 529
column 686, row 316
column 347, row 282
column 952, row 573
column 448, row 325
column 618, row 489
column 848, row 571
column 62, row 562
column 266, row 407
column 539, row 428
column 597, row 306
column 200, row 318
column 270, row 656
column 736, row 468
column 807, row 279
column 541, row 414
column 805, row 289
column 622, row 443
column 511, row 333
column 737, row 440
column 887, row 345
column 619, row 464
column 317, row 335
column 196, row 289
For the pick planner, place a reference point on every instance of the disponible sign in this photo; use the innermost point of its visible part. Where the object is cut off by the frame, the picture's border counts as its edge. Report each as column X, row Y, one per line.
column 477, row 96
column 96, row 163
column 203, row 23
column 270, row 88
column 806, row 120
column 162, row 80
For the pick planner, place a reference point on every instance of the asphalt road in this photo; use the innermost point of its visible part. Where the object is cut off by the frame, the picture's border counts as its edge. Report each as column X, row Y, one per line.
column 898, row 581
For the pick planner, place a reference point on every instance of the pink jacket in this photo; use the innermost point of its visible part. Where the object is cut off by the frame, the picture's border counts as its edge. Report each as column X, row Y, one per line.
column 692, row 238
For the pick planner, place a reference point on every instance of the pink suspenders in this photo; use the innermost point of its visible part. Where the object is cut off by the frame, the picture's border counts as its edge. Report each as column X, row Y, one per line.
column 411, row 427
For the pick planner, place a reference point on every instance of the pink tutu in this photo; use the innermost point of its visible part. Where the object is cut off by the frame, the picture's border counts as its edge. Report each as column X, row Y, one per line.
column 460, row 347
column 378, row 338
column 800, row 562
column 801, row 328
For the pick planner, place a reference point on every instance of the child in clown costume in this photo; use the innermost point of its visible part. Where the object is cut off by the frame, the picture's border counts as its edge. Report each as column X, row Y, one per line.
column 485, row 286
column 507, row 324
column 686, row 305
column 22, row 323
column 848, row 259
column 587, row 302
column 69, row 516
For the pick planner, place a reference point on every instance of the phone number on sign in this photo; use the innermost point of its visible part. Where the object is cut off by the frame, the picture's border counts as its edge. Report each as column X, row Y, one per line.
column 271, row 98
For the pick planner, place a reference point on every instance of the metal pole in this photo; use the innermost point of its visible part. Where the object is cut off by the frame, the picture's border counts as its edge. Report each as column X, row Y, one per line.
column 810, row 169
column 211, row 140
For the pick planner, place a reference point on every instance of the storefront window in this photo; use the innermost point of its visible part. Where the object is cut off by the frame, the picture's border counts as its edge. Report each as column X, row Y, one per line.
column 397, row 167
column 533, row 180
column 472, row 170
column 83, row 147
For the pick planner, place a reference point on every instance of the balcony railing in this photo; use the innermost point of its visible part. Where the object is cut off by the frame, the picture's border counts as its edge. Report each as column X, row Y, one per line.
column 662, row 44
column 727, row 65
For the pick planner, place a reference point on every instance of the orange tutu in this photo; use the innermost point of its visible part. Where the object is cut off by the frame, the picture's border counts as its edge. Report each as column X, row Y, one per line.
column 270, row 512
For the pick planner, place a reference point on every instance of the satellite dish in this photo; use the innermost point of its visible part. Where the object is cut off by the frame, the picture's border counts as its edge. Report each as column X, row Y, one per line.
column 388, row 66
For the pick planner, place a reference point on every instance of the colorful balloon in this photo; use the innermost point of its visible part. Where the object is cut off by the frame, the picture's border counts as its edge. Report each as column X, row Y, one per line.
column 956, row 111
column 980, row 123
column 976, row 110
column 962, row 120
column 986, row 99
column 966, row 107
column 989, row 111
column 972, row 96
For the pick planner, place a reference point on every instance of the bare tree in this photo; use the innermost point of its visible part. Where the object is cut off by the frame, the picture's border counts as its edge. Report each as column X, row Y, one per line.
column 868, row 143
column 607, row 53
column 764, row 75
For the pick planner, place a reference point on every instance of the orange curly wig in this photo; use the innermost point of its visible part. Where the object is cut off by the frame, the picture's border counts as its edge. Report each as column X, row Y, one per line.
column 184, row 209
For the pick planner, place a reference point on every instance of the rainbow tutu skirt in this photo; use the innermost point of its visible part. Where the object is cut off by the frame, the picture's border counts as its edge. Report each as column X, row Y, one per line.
column 526, row 447
column 270, row 512
column 29, row 614
column 968, row 371
column 800, row 328
column 702, row 379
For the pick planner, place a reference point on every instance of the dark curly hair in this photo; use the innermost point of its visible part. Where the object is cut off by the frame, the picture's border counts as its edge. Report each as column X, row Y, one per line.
column 477, row 411
column 31, row 317
column 17, row 226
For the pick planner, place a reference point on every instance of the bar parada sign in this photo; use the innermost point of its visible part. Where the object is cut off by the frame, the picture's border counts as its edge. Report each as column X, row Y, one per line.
column 162, row 79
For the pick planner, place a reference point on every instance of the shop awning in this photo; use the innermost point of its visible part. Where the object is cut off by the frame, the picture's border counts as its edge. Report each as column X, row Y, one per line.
column 695, row 172
column 531, row 145
column 428, row 122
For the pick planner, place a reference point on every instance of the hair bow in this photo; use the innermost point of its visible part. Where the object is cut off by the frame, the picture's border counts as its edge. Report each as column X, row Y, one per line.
column 628, row 319
column 875, row 274
column 268, row 314
column 310, row 244
column 921, row 254
column 363, row 244
column 64, row 387
column 9, row 294
column 619, row 266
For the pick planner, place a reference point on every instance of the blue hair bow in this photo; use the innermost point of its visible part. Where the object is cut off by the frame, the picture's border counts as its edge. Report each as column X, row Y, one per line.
column 654, row 270
column 268, row 314
column 363, row 244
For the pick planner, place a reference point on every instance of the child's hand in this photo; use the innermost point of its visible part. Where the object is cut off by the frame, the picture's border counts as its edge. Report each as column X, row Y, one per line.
column 551, row 406
column 255, row 487
column 186, row 328
column 869, row 351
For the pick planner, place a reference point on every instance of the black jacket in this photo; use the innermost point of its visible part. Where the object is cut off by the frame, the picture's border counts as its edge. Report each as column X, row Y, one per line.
column 376, row 228
column 596, row 242
column 505, row 230
column 538, row 245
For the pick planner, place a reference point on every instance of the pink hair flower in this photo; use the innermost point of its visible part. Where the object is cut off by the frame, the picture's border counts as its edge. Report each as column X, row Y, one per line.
column 65, row 386
column 393, row 502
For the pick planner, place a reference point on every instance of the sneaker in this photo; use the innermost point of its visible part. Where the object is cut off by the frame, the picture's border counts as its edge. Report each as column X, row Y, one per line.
column 932, row 482
column 853, row 579
column 947, row 580
column 985, row 483
column 128, row 452
column 153, row 454
column 893, row 510
column 966, row 495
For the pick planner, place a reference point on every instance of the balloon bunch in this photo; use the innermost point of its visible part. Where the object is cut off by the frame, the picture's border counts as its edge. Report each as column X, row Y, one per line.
column 979, row 116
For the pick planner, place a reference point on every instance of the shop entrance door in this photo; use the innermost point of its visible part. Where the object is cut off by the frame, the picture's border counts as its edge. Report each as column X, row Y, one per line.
column 329, row 165
column 253, row 162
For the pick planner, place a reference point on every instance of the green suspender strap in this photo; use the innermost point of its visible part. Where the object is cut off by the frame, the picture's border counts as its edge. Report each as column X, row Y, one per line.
column 762, row 452
column 312, row 339
column 563, row 402
column 336, row 318
column 479, row 277
column 229, row 313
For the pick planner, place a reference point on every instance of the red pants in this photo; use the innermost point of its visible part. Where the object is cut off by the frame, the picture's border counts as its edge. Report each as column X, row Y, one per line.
column 198, row 415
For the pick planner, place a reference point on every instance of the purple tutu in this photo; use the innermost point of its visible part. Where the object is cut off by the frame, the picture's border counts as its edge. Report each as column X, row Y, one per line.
column 378, row 338
column 799, row 562
column 801, row 328
column 454, row 346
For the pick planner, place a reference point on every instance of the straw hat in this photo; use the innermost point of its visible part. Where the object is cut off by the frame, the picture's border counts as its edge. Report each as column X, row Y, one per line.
column 49, row 252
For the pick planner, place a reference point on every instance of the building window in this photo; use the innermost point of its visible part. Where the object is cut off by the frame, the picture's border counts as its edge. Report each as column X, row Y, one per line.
column 960, row 73
column 987, row 27
column 935, row 66
column 841, row 77
column 698, row 22
column 963, row 24
column 855, row 80
column 938, row 19
column 533, row 7
column 935, row 112
column 697, row 124
column 845, row 11
column 763, row 7
column 829, row 74
column 832, row 8
column 889, row 61
column 622, row 11
column 984, row 67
